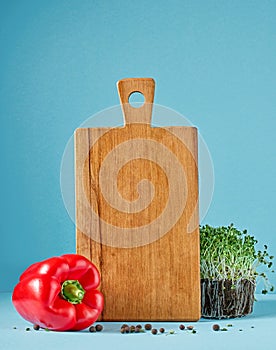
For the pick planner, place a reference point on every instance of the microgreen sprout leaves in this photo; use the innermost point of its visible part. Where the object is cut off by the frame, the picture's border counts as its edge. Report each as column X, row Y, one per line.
column 227, row 253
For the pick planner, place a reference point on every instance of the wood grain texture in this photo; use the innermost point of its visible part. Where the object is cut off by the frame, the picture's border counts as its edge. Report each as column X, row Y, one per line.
column 137, row 213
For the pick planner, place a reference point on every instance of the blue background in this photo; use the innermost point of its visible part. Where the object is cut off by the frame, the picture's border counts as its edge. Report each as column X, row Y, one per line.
column 213, row 61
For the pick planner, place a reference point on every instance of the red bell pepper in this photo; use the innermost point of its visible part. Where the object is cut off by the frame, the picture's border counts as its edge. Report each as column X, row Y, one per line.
column 60, row 293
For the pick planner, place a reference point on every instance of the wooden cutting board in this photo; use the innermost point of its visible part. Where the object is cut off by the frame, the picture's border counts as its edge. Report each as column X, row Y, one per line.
column 137, row 213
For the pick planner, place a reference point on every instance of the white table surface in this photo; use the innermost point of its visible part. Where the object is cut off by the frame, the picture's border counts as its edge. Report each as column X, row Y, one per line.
column 241, row 335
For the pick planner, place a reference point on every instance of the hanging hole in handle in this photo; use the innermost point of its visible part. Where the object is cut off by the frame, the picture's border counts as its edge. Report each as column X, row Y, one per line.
column 136, row 99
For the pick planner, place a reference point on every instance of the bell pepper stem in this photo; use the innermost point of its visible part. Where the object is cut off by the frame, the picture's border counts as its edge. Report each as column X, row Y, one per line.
column 72, row 291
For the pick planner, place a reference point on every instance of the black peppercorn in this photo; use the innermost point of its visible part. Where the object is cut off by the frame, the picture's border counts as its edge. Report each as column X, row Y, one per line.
column 154, row 331
column 36, row 327
column 92, row 329
column 162, row 330
column 182, row 327
column 216, row 327
column 148, row 326
column 99, row 327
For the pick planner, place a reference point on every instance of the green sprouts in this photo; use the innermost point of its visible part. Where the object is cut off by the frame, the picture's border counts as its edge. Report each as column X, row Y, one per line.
column 229, row 254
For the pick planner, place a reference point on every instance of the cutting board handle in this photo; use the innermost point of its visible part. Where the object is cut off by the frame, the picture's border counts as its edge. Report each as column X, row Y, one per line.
column 128, row 86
